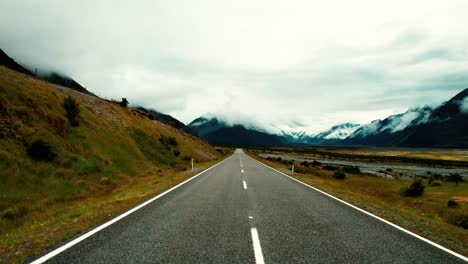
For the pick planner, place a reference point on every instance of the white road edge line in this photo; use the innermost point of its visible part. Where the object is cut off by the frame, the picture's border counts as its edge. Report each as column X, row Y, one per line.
column 77, row 240
column 372, row 215
column 245, row 185
column 257, row 247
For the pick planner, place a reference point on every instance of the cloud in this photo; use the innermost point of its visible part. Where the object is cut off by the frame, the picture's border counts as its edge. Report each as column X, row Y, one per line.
column 292, row 65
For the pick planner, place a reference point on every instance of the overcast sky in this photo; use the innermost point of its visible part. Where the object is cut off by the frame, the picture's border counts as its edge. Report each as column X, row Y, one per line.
column 307, row 64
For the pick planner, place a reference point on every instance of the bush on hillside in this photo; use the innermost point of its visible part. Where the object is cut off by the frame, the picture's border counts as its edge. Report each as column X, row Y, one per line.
column 415, row 189
column 72, row 109
column 41, row 151
column 176, row 153
column 15, row 212
column 168, row 141
column 124, row 102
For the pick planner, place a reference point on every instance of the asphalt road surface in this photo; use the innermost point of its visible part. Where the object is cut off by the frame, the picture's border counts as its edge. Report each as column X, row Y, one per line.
column 244, row 212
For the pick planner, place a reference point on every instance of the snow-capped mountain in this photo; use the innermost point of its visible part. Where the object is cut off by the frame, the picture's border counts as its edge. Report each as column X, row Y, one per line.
column 394, row 123
column 219, row 132
column 338, row 132
column 444, row 126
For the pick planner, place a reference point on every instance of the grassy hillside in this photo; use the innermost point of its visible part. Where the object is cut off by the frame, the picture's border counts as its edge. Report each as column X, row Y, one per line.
column 113, row 151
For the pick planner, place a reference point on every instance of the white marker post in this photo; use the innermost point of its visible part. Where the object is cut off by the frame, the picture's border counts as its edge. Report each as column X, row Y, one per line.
column 192, row 164
column 292, row 169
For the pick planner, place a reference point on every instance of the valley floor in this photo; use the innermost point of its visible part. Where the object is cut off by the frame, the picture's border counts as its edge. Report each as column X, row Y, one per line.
column 428, row 216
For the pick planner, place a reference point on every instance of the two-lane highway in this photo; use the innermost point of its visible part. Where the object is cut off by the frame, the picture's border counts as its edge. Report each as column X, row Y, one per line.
column 244, row 212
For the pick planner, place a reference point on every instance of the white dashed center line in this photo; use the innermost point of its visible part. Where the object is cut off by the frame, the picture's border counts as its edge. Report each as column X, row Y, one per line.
column 257, row 247
column 245, row 185
column 242, row 171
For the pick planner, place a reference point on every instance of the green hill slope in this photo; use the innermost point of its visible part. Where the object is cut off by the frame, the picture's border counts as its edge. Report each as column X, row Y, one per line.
column 46, row 163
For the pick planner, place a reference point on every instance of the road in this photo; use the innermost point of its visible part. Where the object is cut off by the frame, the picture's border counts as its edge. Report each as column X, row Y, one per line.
column 244, row 212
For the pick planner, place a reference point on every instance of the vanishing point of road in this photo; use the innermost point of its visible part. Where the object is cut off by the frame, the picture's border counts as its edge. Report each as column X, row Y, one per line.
column 242, row 211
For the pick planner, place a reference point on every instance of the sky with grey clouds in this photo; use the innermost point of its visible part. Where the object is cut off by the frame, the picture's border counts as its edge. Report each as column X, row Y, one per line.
column 311, row 64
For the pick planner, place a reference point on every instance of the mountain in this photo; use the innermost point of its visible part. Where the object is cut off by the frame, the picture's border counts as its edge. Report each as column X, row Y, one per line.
column 218, row 132
column 338, row 132
column 8, row 62
column 65, row 81
column 445, row 126
column 332, row 136
column 52, row 77
column 164, row 118
column 391, row 131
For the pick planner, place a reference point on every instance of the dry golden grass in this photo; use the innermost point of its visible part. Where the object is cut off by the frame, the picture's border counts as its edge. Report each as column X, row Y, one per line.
column 426, row 216
column 60, row 221
column 453, row 155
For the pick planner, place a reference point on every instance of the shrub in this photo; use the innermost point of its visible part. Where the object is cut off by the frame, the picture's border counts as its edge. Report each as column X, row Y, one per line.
column 279, row 159
column 41, row 151
column 176, row 153
column 168, row 141
column 72, row 109
column 460, row 220
column 454, row 177
column 15, row 212
column 316, row 163
column 452, row 203
column 415, row 189
column 124, row 102
column 436, row 183
column 305, row 163
column 351, row 169
column 339, row 174
column 389, row 170
column 330, row 167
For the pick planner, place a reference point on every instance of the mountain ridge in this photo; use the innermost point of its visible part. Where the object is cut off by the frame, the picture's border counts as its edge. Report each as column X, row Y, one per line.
column 444, row 126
